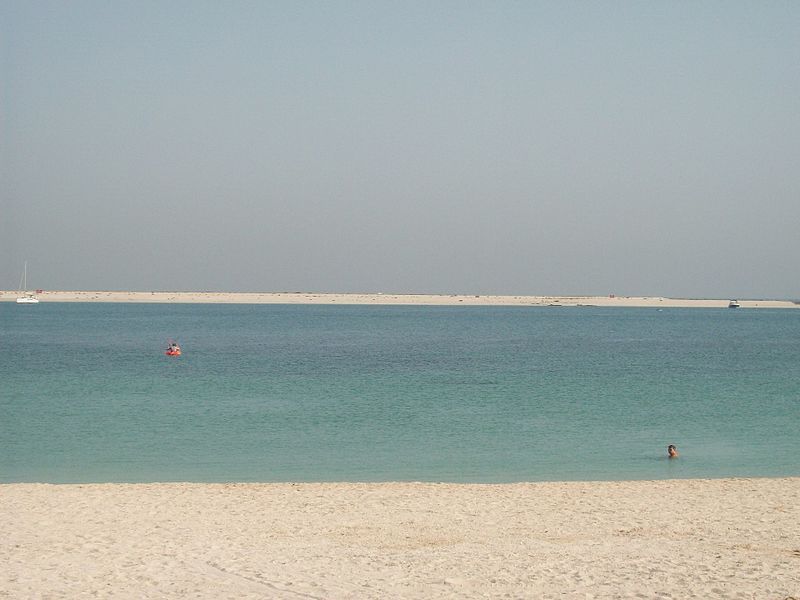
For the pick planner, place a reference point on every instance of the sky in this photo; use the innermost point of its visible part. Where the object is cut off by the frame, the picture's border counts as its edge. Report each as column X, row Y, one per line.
column 564, row 147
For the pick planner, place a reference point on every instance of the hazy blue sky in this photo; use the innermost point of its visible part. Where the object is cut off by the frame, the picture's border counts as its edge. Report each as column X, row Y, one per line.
column 447, row 147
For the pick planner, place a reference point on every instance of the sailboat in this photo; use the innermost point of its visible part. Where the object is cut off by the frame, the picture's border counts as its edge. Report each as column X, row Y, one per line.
column 28, row 297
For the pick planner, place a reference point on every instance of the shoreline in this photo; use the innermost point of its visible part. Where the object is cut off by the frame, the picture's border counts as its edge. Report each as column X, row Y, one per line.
column 166, row 297
column 667, row 538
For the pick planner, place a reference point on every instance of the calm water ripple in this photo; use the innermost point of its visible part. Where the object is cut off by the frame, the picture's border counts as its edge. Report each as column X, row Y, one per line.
column 373, row 393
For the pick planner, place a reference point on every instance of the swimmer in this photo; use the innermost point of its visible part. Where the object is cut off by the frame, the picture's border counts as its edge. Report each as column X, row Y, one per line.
column 672, row 451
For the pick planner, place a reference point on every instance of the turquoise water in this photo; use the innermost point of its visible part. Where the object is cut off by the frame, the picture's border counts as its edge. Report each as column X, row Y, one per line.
column 365, row 393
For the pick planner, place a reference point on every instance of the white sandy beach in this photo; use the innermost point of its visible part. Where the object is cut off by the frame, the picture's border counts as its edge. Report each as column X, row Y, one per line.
column 732, row 538
column 390, row 299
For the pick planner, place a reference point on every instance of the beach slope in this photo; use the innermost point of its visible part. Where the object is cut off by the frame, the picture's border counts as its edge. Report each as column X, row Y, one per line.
column 667, row 539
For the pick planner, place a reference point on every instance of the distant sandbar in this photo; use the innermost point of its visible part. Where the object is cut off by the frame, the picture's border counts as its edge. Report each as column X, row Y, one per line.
column 391, row 299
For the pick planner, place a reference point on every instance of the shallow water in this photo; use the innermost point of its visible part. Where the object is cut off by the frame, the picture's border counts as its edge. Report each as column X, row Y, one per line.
column 373, row 393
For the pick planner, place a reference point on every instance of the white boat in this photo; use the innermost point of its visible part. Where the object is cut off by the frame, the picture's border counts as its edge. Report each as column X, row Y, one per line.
column 734, row 304
column 27, row 297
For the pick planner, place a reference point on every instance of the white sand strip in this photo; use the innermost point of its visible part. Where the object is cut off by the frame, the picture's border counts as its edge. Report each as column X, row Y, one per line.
column 391, row 299
column 734, row 538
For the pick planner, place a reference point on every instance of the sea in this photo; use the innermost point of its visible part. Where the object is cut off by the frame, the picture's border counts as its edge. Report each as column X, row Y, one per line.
column 307, row 393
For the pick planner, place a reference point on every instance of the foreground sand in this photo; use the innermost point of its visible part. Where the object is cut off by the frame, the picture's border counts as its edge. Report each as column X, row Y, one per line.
column 395, row 299
column 735, row 538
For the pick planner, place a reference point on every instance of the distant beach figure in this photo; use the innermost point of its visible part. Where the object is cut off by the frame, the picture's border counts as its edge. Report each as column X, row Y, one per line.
column 672, row 451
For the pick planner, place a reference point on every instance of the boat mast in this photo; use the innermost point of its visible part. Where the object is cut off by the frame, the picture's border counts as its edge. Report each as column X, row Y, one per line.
column 23, row 284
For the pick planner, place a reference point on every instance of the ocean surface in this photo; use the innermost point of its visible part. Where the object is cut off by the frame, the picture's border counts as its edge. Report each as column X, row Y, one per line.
column 382, row 393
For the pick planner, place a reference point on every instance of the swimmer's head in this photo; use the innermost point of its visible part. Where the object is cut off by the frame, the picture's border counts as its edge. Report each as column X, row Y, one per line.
column 672, row 450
